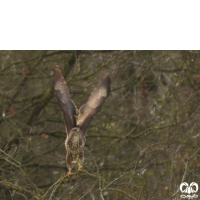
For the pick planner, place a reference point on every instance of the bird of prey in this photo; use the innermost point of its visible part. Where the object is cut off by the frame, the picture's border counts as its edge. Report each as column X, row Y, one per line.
column 77, row 124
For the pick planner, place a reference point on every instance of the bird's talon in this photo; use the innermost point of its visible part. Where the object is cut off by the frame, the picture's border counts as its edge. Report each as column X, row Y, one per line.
column 81, row 169
column 68, row 174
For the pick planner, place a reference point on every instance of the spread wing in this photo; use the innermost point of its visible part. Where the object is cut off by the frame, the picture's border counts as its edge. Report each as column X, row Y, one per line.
column 66, row 104
column 94, row 104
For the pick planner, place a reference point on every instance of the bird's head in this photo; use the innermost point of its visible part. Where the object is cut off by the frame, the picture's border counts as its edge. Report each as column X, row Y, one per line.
column 76, row 130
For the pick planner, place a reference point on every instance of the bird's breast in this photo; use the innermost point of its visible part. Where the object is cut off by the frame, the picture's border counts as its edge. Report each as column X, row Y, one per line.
column 75, row 139
column 74, row 142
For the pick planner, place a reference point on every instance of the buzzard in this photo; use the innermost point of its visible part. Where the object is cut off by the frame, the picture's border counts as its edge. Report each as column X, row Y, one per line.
column 77, row 124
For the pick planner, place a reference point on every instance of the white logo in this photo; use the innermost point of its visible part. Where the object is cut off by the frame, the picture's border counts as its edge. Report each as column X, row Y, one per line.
column 189, row 189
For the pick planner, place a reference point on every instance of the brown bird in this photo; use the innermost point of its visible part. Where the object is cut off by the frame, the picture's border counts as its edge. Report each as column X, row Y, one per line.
column 76, row 127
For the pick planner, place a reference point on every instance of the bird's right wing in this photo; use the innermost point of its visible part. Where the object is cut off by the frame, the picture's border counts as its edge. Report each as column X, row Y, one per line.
column 66, row 104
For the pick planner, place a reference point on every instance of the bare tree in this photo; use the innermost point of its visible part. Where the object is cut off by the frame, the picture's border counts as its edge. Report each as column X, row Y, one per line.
column 142, row 145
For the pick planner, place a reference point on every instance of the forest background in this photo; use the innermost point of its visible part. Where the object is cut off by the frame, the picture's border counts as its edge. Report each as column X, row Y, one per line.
column 142, row 145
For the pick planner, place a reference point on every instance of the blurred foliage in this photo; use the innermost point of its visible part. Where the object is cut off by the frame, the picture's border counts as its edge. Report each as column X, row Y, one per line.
column 142, row 145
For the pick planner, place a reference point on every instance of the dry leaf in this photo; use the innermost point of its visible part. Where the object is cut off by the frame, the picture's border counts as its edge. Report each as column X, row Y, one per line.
column 45, row 136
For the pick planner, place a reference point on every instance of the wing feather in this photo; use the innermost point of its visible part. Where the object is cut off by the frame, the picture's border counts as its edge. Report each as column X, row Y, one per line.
column 67, row 106
column 94, row 104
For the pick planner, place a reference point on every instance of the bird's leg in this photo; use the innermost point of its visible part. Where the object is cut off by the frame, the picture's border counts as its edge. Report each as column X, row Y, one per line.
column 80, row 167
column 69, row 173
column 69, row 160
column 80, row 161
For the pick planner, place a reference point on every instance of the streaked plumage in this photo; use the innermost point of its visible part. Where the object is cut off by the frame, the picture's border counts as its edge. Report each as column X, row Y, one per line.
column 76, row 128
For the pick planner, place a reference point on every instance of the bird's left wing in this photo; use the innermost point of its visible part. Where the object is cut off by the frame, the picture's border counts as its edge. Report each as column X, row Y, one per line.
column 94, row 104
